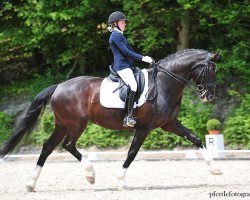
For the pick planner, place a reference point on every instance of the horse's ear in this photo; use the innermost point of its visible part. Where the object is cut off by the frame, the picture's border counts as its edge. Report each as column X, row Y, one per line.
column 215, row 56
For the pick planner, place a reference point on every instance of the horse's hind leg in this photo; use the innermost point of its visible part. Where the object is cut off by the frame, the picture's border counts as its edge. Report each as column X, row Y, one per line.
column 56, row 137
column 69, row 144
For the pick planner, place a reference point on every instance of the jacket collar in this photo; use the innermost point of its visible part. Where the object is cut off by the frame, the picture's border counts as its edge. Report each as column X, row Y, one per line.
column 117, row 30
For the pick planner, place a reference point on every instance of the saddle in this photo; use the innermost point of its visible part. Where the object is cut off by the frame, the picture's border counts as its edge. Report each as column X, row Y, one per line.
column 124, row 88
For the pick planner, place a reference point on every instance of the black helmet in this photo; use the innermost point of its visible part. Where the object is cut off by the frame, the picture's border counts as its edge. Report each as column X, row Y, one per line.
column 116, row 16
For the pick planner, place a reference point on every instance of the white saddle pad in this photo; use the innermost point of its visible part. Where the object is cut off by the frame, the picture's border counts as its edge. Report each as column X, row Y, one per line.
column 109, row 99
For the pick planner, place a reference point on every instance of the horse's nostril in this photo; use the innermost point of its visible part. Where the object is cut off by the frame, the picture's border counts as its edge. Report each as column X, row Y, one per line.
column 210, row 97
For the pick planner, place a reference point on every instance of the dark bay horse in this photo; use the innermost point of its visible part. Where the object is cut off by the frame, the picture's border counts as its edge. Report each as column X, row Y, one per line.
column 76, row 102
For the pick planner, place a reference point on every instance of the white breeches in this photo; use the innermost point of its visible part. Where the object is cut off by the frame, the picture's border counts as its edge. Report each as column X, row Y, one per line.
column 127, row 76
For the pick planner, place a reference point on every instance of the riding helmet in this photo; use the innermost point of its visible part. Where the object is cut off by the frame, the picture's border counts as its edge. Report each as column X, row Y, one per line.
column 116, row 16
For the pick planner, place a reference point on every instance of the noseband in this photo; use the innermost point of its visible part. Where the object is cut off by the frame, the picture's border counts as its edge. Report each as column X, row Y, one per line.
column 204, row 74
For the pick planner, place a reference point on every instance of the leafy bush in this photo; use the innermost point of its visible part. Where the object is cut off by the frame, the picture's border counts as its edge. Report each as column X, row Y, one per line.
column 194, row 114
column 101, row 137
column 44, row 130
column 159, row 139
column 237, row 127
column 29, row 87
column 213, row 124
column 6, row 122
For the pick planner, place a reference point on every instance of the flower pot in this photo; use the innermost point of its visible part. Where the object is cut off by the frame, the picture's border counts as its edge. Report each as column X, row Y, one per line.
column 214, row 132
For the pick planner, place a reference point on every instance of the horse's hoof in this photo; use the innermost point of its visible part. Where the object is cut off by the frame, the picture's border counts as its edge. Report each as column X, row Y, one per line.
column 30, row 188
column 121, row 188
column 121, row 184
column 215, row 171
column 91, row 179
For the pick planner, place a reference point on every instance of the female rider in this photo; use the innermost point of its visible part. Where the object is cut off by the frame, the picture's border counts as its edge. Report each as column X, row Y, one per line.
column 124, row 55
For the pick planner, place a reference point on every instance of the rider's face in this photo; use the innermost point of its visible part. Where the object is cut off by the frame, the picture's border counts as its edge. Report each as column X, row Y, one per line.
column 122, row 24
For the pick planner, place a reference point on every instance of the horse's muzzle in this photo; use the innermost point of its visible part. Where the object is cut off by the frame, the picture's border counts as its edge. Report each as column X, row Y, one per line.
column 206, row 97
column 210, row 97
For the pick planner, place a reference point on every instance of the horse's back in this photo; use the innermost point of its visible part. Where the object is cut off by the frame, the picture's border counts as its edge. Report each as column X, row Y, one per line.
column 74, row 95
column 75, row 86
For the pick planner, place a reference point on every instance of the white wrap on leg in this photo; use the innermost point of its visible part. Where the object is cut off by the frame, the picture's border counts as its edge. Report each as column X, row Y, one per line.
column 34, row 177
column 210, row 161
column 89, row 170
column 121, row 179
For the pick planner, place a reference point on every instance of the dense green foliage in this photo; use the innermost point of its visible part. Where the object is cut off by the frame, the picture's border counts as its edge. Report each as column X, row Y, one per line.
column 41, row 40
column 237, row 126
column 30, row 88
column 5, row 126
column 44, row 129
column 58, row 31
column 101, row 137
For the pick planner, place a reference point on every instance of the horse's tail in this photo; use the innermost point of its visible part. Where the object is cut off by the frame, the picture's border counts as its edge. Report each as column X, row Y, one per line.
column 28, row 123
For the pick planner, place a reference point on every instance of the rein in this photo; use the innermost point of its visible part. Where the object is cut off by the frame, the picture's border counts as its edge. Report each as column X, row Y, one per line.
column 181, row 80
column 200, row 87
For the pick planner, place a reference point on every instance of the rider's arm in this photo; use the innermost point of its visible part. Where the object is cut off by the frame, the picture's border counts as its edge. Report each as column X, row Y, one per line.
column 119, row 42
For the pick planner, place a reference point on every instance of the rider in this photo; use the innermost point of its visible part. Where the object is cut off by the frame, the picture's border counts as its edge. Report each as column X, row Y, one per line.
column 124, row 55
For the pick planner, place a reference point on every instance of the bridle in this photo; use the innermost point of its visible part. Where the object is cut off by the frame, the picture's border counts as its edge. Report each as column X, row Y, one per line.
column 202, row 87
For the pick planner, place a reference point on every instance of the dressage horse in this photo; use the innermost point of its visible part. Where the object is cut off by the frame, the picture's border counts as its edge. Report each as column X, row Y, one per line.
column 77, row 101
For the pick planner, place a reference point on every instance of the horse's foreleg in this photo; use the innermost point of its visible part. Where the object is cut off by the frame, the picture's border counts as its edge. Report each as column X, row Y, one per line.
column 69, row 145
column 182, row 131
column 210, row 161
column 139, row 137
column 48, row 147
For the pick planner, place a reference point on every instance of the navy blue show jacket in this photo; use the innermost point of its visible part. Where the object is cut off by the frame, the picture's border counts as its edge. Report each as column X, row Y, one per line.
column 124, row 54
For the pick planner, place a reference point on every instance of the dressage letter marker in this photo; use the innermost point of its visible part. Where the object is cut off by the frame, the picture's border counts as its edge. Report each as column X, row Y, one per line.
column 215, row 144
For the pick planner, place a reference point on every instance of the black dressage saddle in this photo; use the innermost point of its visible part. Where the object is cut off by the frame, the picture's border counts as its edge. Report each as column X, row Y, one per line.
column 124, row 88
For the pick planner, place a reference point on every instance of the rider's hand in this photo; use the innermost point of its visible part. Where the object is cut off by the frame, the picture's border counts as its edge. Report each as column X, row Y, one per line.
column 147, row 59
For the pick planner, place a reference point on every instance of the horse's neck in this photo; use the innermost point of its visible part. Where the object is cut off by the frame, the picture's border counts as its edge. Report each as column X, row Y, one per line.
column 169, row 86
column 166, row 87
column 181, row 68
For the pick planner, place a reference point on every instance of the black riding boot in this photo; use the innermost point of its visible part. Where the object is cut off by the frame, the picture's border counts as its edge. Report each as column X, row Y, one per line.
column 129, row 119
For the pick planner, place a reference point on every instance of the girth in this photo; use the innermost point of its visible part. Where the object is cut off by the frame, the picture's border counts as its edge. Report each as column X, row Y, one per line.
column 123, row 88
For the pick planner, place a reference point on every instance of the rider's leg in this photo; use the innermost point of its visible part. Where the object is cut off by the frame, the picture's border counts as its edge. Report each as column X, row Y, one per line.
column 127, row 76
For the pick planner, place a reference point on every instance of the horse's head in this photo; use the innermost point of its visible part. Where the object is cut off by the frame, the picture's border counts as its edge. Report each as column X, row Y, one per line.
column 204, row 75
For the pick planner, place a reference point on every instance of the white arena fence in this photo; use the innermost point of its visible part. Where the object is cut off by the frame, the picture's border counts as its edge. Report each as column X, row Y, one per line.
column 142, row 155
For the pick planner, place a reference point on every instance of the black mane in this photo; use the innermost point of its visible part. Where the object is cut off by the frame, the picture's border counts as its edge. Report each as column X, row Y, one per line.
column 180, row 54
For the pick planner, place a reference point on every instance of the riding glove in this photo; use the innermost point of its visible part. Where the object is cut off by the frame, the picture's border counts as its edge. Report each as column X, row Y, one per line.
column 147, row 59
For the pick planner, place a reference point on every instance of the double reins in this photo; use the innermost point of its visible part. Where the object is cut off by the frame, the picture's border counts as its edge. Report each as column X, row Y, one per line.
column 200, row 87
column 180, row 79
